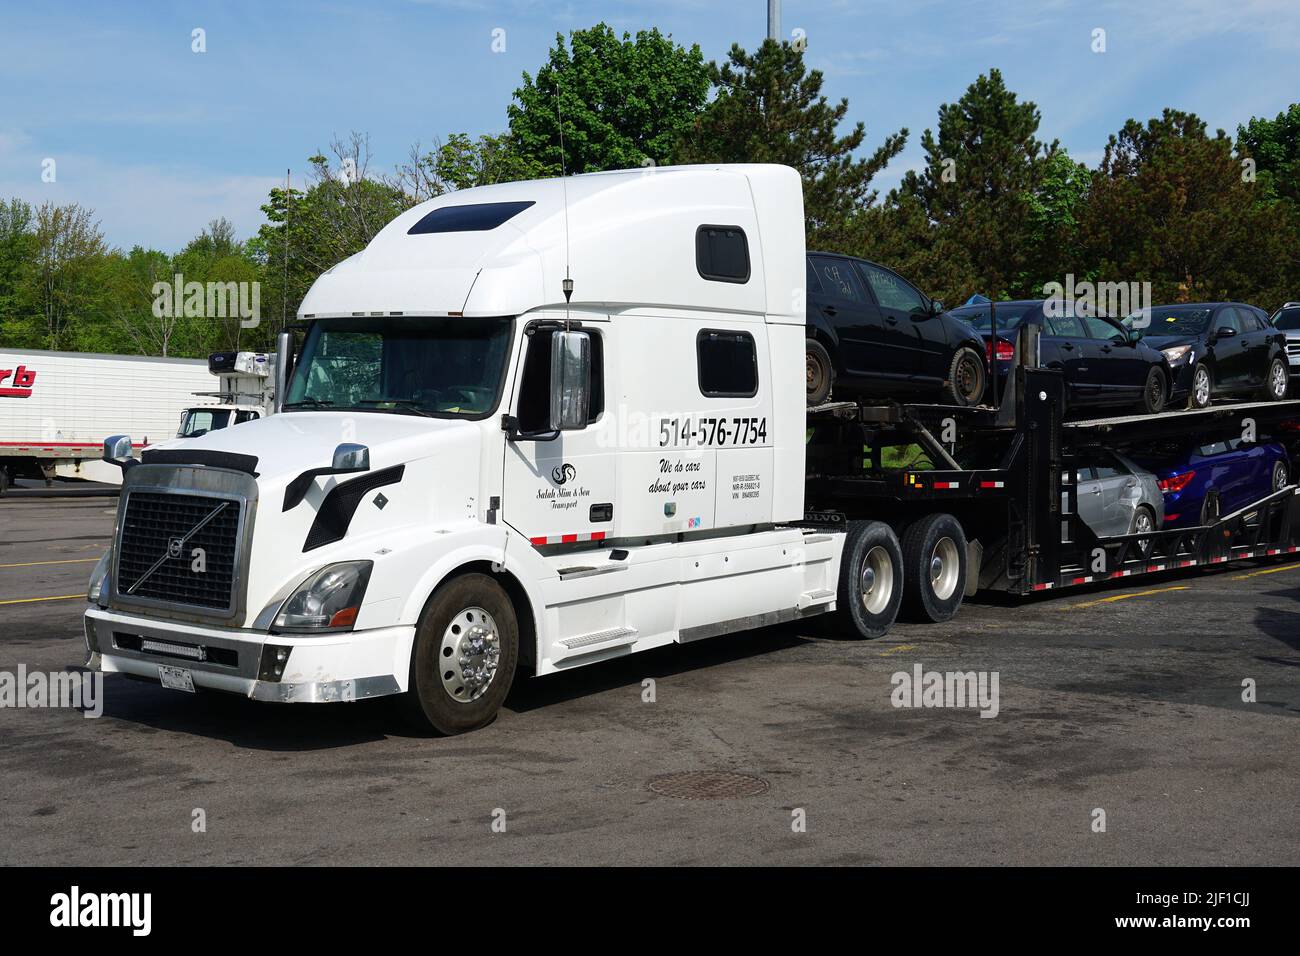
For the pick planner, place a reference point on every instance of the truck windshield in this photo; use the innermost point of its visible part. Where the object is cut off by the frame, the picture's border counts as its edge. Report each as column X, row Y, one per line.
column 200, row 421
column 441, row 367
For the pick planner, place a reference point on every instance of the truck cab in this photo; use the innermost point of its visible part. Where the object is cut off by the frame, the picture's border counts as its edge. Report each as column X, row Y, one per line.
column 246, row 393
column 531, row 426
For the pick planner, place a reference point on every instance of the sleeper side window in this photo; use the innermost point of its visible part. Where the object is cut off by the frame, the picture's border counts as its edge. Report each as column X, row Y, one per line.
column 728, row 364
column 722, row 253
column 535, row 381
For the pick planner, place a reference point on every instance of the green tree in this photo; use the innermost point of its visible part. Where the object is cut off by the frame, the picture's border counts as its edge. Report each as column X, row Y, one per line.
column 461, row 162
column 1168, row 205
column 624, row 101
column 1274, row 145
column 769, row 108
column 16, row 247
column 985, row 191
column 61, row 273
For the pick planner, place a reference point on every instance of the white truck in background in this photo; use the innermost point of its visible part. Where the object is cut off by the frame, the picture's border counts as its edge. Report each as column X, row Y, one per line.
column 56, row 409
column 246, row 392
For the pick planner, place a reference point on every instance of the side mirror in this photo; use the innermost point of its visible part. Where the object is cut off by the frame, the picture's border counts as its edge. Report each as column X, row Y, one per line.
column 349, row 458
column 1225, row 332
column 570, row 380
column 936, row 307
column 117, row 451
column 283, row 367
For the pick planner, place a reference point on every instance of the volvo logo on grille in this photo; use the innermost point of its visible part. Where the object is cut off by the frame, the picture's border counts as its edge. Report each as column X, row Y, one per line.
column 174, row 547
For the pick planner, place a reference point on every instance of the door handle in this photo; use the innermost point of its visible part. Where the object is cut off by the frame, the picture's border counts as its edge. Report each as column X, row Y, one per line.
column 1096, row 491
column 830, row 310
column 891, row 320
column 1106, row 348
column 1067, row 346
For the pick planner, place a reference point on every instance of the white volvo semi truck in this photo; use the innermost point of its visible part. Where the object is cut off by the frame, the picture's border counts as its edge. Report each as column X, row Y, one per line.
column 537, row 425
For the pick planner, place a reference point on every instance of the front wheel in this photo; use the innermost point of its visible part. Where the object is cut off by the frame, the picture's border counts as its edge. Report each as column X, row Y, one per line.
column 1277, row 381
column 934, row 562
column 463, row 660
column 1279, row 476
column 1154, row 391
column 966, row 376
column 871, row 578
column 1202, row 387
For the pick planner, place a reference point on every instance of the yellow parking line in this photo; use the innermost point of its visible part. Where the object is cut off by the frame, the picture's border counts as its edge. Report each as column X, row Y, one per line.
column 1124, row 597
column 56, row 597
column 40, row 564
column 1285, row 567
column 899, row 649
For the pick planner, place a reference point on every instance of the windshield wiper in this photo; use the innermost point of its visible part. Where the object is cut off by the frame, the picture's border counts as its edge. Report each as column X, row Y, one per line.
column 309, row 403
column 408, row 405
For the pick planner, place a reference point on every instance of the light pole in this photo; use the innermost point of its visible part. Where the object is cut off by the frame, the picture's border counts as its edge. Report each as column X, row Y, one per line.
column 774, row 20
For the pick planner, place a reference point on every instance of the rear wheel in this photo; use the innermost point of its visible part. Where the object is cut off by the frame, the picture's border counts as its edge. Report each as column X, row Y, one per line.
column 1154, row 391
column 1202, row 387
column 871, row 579
column 1144, row 520
column 1210, row 508
column 463, row 660
column 820, row 373
column 934, row 567
column 1276, row 381
column 966, row 377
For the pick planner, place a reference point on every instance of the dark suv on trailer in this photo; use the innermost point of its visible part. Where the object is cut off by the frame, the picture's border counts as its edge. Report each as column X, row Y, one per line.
column 1217, row 348
column 872, row 334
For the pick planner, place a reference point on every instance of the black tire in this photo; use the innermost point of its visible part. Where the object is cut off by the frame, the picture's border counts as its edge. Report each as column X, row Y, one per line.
column 428, row 702
column 820, row 372
column 1210, row 508
column 967, row 376
column 934, row 567
column 4, row 482
column 1154, row 391
column 1208, row 392
column 869, row 603
column 1277, row 380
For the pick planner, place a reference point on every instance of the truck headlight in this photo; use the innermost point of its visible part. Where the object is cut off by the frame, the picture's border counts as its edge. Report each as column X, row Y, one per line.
column 97, row 593
column 327, row 601
column 1175, row 354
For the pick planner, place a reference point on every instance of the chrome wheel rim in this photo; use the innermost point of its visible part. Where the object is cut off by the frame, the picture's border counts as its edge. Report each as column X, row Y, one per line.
column 877, row 580
column 1277, row 380
column 1201, row 387
column 944, row 567
column 469, row 654
column 1141, row 524
column 1279, row 476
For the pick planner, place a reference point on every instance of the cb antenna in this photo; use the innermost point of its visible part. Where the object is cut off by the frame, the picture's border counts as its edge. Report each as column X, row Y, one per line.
column 564, row 188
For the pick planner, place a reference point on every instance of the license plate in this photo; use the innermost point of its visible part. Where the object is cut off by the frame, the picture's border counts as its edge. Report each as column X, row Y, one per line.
column 177, row 678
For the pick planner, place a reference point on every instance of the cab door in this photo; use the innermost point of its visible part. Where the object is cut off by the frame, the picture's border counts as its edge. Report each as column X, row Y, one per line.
column 559, row 488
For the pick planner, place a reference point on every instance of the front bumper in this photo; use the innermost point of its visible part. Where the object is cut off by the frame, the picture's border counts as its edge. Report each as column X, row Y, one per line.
column 332, row 667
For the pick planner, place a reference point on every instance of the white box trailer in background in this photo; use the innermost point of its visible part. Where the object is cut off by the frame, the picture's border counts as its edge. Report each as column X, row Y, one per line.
column 56, row 408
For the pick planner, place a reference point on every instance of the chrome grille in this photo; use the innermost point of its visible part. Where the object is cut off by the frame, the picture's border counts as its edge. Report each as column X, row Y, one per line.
column 1293, row 348
column 155, row 554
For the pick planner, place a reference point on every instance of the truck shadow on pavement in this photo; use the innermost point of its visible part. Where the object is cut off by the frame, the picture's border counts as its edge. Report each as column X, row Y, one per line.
column 145, row 707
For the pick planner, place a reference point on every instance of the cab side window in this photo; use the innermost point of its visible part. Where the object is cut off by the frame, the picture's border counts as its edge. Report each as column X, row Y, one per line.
column 891, row 291
column 535, row 381
column 1100, row 328
column 728, row 364
column 1065, row 326
column 1227, row 319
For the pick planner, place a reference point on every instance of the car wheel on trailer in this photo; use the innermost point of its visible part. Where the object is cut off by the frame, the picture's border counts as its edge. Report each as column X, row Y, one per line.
column 1154, row 392
column 1279, row 475
column 1144, row 520
column 1202, row 387
column 1210, row 508
column 1276, row 381
column 820, row 373
column 871, row 578
column 934, row 567
column 464, row 656
column 966, row 377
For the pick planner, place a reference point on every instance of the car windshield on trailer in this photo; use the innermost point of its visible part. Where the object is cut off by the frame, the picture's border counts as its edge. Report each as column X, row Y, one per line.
column 1287, row 319
column 439, row 367
column 1171, row 320
column 1009, row 315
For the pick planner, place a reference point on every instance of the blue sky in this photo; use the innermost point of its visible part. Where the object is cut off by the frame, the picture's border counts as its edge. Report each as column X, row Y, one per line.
column 159, row 140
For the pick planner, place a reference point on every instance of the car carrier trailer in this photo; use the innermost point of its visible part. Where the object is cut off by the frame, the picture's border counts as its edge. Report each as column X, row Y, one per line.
column 539, row 425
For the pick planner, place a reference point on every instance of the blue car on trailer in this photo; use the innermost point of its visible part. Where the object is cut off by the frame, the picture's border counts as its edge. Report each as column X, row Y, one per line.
column 1202, row 482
